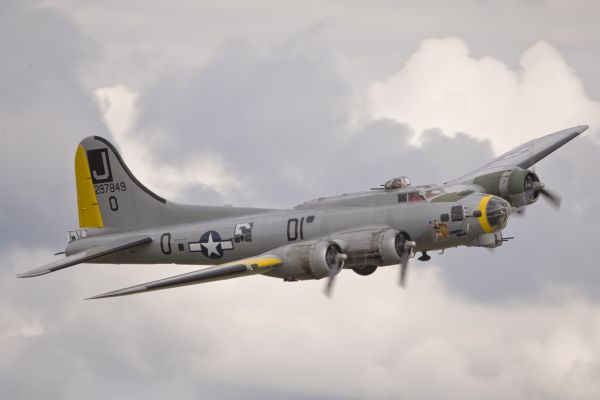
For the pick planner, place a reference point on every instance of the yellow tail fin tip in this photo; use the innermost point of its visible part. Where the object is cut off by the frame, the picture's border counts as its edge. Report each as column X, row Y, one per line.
column 87, row 203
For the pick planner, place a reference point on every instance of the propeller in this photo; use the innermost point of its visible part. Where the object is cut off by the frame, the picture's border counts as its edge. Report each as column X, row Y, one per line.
column 552, row 197
column 534, row 188
column 340, row 259
column 407, row 247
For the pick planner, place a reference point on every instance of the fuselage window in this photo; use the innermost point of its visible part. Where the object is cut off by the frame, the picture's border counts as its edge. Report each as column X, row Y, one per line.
column 444, row 218
column 310, row 219
column 457, row 213
column 402, row 198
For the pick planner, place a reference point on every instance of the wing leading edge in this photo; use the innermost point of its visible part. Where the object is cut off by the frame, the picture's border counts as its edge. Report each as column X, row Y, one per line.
column 87, row 255
column 236, row 269
column 525, row 155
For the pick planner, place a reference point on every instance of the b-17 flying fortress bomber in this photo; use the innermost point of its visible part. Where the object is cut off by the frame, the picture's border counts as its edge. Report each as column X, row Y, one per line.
column 123, row 222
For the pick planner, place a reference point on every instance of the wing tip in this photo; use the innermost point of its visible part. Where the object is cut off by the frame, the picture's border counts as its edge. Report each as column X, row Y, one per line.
column 121, row 292
column 583, row 127
column 31, row 274
column 102, row 296
column 98, row 296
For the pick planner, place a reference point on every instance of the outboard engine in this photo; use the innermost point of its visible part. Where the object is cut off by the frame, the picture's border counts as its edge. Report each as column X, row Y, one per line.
column 520, row 187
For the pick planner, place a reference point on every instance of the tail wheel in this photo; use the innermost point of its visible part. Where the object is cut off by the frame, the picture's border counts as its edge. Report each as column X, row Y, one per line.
column 365, row 270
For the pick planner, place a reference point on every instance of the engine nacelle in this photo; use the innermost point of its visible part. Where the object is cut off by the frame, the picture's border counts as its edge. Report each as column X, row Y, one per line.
column 373, row 247
column 517, row 186
column 307, row 260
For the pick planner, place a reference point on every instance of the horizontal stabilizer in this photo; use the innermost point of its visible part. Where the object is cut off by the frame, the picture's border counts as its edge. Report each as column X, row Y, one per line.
column 87, row 255
column 245, row 267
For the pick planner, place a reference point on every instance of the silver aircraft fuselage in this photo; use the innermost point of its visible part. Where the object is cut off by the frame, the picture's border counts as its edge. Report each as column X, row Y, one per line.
column 123, row 222
column 318, row 219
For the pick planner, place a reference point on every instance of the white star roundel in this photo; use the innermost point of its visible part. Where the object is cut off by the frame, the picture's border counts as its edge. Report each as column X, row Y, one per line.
column 211, row 245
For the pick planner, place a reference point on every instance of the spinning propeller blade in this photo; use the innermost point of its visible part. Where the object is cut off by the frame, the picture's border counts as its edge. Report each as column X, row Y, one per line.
column 552, row 197
column 333, row 272
column 408, row 247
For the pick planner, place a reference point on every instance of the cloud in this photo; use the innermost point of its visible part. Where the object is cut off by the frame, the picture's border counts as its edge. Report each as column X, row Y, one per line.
column 518, row 324
column 277, row 120
column 240, row 103
column 200, row 181
column 442, row 86
column 373, row 340
column 44, row 112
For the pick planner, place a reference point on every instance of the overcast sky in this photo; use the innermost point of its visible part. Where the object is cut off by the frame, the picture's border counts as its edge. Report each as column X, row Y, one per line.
column 270, row 104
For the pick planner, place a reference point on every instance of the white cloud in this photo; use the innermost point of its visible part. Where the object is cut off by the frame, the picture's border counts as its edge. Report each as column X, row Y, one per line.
column 375, row 340
column 118, row 105
column 372, row 340
column 443, row 86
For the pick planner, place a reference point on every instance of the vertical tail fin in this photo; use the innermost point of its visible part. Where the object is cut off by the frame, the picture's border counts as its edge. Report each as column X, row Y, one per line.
column 108, row 194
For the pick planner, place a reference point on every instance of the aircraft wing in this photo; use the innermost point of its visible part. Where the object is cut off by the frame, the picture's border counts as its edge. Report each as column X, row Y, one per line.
column 87, row 255
column 236, row 269
column 525, row 155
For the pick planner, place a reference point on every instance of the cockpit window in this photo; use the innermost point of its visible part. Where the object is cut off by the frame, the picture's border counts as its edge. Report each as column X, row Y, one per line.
column 415, row 197
column 432, row 193
column 410, row 197
column 497, row 213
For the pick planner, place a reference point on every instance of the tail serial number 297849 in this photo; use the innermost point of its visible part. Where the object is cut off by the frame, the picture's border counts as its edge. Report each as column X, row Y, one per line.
column 110, row 187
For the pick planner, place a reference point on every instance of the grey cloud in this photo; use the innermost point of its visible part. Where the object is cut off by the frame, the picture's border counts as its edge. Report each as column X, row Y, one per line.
column 44, row 112
column 260, row 108
column 389, row 153
column 199, row 194
column 373, row 39
column 279, row 117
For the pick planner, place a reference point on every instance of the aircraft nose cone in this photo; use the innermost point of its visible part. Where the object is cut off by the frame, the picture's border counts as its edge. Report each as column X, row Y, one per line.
column 497, row 212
